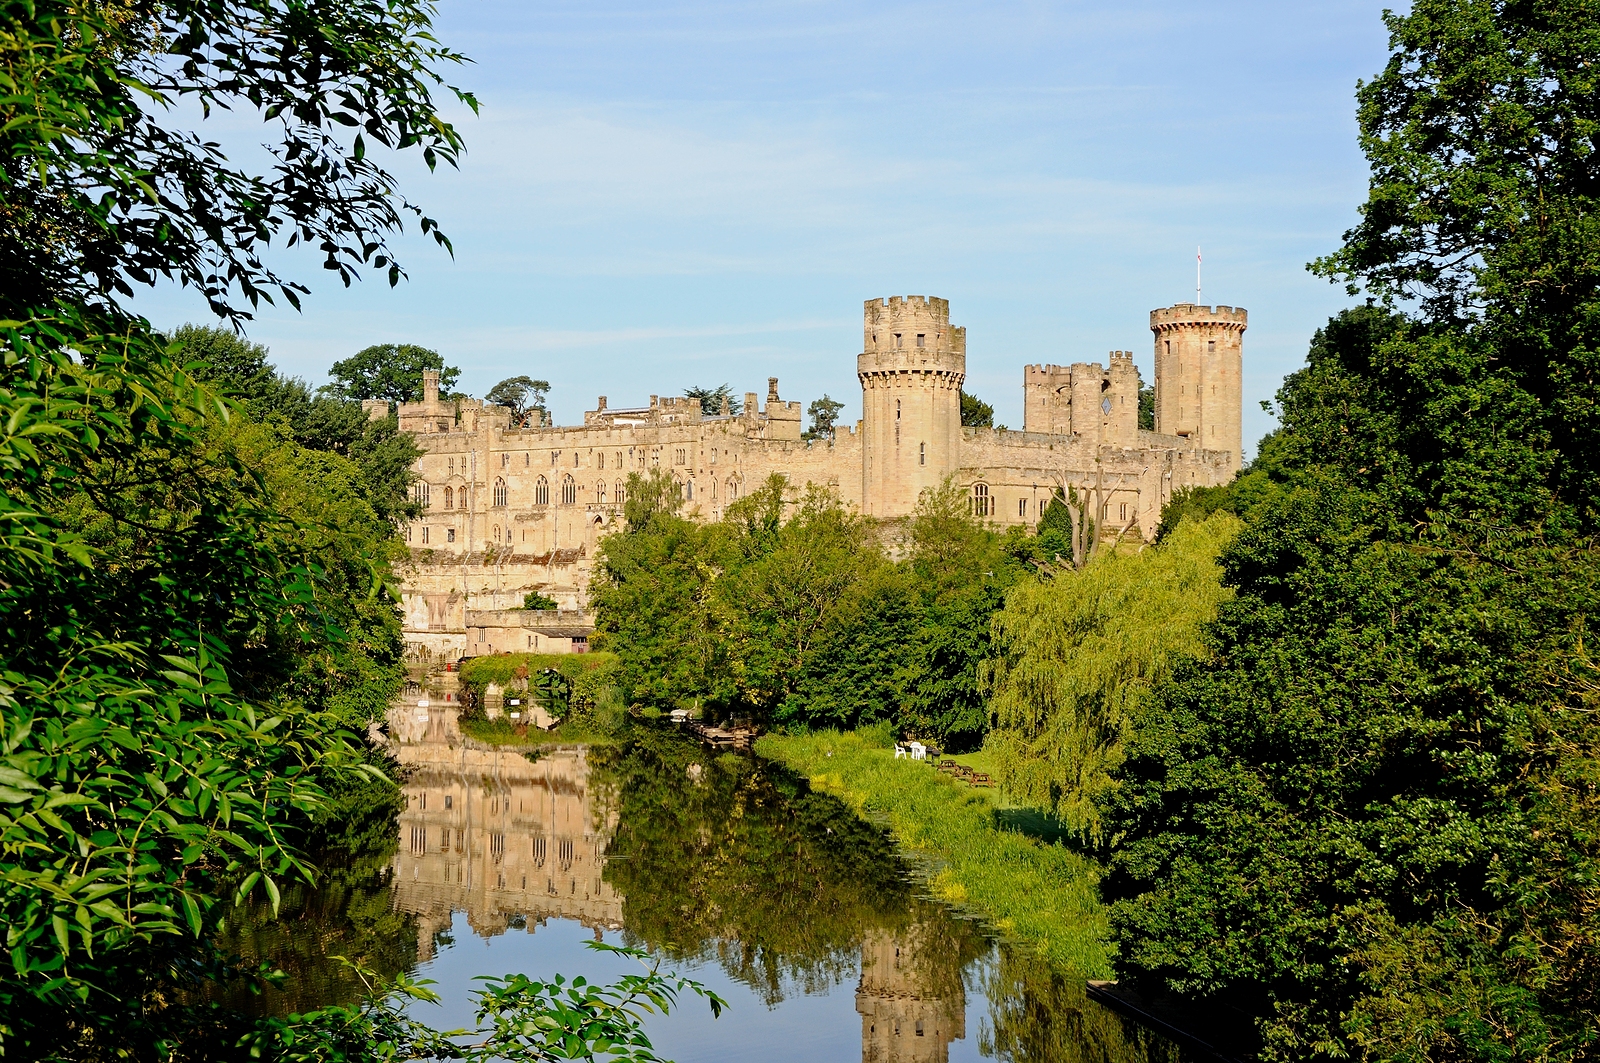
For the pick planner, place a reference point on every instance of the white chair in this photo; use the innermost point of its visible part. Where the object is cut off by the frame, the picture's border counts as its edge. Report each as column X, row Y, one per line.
column 918, row 751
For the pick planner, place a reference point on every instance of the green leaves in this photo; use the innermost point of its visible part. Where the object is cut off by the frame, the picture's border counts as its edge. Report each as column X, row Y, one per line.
column 517, row 1018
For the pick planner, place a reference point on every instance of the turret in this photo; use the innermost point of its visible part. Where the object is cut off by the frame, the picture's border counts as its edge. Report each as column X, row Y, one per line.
column 1122, row 401
column 1199, row 366
column 911, row 368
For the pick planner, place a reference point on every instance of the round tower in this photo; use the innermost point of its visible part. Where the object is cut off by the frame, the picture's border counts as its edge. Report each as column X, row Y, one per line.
column 1199, row 367
column 911, row 366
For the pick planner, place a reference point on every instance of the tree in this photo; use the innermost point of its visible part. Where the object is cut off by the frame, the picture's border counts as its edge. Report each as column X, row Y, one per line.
column 975, row 413
column 104, row 189
column 519, row 394
column 1075, row 654
column 389, row 371
column 712, row 399
column 1147, row 407
column 824, row 412
column 1366, row 818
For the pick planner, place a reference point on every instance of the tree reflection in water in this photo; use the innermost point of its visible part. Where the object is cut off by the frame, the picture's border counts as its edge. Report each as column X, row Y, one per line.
column 697, row 856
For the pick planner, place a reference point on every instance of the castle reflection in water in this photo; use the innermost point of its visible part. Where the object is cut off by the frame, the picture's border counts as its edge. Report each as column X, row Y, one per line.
column 512, row 842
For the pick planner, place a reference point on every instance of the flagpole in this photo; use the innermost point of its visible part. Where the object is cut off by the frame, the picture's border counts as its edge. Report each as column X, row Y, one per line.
column 1197, row 299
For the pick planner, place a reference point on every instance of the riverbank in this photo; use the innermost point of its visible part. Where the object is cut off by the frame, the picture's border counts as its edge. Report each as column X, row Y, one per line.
column 1032, row 891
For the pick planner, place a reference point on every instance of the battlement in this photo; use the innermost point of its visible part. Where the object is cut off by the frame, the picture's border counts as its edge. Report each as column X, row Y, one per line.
column 1181, row 314
column 911, row 323
column 1121, row 356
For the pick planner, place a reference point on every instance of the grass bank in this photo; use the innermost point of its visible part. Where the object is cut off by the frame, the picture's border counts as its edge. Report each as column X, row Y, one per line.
column 983, row 857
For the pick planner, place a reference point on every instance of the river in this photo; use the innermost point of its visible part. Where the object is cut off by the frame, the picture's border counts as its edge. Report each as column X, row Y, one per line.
column 727, row 867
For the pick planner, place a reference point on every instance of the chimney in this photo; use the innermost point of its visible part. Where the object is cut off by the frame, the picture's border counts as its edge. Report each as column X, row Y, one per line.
column 602, row 407
column 430, row 386
column 772, row 389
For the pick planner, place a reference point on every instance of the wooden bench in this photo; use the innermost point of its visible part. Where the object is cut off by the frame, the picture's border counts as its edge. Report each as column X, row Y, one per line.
column 948, row 765
column 979, row 778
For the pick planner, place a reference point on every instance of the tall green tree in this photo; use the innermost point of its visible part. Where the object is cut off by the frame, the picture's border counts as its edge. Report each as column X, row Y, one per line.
column 156, row 763
column 1367, row 817
column 389, row 371
column 519, row 394
column 1076, row 653
column 975, row 413
column 711, row 399
column 824, row 412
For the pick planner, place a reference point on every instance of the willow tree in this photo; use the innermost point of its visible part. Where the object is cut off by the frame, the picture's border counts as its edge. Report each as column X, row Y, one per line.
column 1077, row 651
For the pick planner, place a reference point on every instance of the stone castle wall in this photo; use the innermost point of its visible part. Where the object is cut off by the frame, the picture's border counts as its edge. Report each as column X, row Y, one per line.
column 514, row 508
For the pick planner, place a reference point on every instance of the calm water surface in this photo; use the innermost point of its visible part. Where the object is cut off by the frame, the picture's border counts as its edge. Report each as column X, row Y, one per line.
column 728, row 867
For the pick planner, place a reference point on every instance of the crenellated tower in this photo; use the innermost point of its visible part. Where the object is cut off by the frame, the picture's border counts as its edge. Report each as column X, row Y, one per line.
column 911, row 367
column 1084, row 399
column 1199, row 369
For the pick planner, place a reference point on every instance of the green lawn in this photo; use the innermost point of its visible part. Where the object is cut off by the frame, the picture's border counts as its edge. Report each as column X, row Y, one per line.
column 1002, row 863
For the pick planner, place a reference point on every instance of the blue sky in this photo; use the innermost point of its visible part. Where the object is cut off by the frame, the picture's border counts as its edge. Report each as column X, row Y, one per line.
column 663, row 195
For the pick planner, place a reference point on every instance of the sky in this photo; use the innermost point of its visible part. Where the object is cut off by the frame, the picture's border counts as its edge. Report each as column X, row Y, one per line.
column 661, row 195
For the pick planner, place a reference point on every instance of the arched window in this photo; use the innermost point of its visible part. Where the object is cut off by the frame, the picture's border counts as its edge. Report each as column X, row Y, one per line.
column 541, row 492
column 497, row 533
column 621, row 493
column 689, row 490
column 600, row 492
column 499, row 491
column 733, row 490
column 419, row 492
column 600, row 460
column 448, row 501
column 569, row 491
column 461, row 498
column 980, row 499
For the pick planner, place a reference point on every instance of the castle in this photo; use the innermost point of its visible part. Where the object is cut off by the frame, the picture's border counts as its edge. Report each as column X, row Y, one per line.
column 510, row 508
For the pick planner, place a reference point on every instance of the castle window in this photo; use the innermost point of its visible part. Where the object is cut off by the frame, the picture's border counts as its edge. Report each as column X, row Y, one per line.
column 981, row 500
column 655, row 457
column 569, row 491
column 1169, row 346
column 499, row 491
column 898, row 341
column 600, row 460
column 419, row 492
column 408, row 533
column 1211, row 346
column 461, row 498
column 505, row 459
column 497, row 533
column 1124, row 513
column 600, row 492
column 920, row 339
column 527, row 459
column 922, row 454
column 448, row 501
column 621, row 493
column 689, row 490
column 555, row 458
column 897, row 409
column 1022, row 507
column 449, row 535
column 680, row 456
column 713, row 455
column 424, row 533
column 733, row 490
column 541, row 492
column 452, row 466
